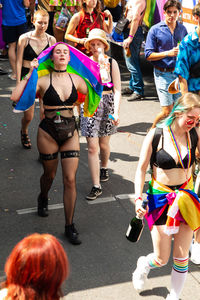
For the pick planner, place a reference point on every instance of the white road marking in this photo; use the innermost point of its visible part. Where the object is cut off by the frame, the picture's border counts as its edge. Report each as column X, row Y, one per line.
column 60, row 205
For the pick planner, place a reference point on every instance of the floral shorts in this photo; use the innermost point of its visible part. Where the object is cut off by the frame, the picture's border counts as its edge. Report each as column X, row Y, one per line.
column 99, row 125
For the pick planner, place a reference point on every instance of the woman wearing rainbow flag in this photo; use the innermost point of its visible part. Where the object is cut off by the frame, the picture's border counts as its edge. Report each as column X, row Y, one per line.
column 57, row 86
column 173, row 207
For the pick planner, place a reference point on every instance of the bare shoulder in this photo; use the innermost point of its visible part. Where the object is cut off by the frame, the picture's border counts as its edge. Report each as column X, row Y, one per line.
column 76, row 17
column 76, row 78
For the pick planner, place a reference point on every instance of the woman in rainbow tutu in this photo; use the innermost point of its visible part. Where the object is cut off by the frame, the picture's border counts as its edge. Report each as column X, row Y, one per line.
column 173, row 207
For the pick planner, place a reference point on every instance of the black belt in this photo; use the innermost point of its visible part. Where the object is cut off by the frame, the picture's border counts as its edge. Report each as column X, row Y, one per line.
column 164, row 69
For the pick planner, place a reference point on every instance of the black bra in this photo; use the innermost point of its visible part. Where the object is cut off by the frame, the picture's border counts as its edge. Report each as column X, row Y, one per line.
column 51, row 97
column 29, row 53
column 164, row 160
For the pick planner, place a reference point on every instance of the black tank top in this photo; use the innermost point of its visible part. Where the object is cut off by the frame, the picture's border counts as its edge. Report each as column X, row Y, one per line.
column 29, row 53
column 51, row 97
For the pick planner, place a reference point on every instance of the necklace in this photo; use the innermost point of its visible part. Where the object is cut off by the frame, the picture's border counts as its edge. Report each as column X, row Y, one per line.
column 60, row 71
column 179, row 153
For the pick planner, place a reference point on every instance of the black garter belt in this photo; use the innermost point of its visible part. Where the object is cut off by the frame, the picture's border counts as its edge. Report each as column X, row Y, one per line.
column 63, row 154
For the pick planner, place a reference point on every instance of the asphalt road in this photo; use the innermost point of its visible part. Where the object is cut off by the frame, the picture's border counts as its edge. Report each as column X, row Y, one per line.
column 101, row 267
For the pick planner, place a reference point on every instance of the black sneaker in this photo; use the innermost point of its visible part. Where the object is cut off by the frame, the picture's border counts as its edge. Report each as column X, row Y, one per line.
column 95, row 192
column 72, row 234
column 127, row 92
column 104, row 174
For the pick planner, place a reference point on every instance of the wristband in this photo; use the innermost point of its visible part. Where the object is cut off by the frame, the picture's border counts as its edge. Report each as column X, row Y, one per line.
column 138, row 198
column 131, row 36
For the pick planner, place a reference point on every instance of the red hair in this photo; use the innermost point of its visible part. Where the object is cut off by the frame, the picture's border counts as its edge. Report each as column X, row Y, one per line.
column 36, row 268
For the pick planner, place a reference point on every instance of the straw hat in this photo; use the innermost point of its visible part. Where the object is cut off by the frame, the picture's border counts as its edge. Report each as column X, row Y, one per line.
column 97, row 34
column 174, row 87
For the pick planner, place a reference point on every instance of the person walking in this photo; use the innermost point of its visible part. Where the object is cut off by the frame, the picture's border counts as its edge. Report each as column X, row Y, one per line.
column 58, row 132
column 133, row 38
column 99, row 128
column 173, row 207
column 30, row 45
column 161, row 49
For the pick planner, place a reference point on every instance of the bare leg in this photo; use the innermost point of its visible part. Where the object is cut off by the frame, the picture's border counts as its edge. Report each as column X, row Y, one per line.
column 104, row 150
column 163, row 114
column 27, row 118
column 161, row 244
column 12, row 57
column 93, row 159
column 197, row 236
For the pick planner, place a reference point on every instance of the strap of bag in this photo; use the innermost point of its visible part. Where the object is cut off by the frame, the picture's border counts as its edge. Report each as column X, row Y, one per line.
column 156, row 139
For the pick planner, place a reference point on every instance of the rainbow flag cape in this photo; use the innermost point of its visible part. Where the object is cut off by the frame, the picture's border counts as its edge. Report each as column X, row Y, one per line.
column 184, row 206
column 79, row 64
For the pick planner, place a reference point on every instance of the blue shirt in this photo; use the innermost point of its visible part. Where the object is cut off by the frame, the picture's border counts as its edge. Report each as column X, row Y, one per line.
column 160, row 38
column 13, row 12
column 189, row 54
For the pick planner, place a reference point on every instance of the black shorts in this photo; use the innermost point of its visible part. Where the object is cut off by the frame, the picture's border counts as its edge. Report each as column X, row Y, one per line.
column 11, row 34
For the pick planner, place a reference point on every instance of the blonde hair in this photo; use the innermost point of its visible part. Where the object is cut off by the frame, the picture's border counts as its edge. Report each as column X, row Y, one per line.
column 40, row 12
column 184, row 104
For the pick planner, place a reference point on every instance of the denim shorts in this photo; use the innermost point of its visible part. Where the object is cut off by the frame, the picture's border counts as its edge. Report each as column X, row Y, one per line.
column 162, row 82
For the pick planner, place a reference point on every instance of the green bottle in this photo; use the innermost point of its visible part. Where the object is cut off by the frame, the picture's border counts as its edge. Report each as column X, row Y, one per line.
column 136, row 226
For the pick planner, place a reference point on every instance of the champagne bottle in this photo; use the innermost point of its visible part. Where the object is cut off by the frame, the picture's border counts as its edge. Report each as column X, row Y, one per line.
column 136, row 226
column 57, row 118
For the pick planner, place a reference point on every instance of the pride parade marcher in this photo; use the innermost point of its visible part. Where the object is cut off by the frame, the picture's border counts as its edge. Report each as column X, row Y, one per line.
column 173, row 207
column 58, row 131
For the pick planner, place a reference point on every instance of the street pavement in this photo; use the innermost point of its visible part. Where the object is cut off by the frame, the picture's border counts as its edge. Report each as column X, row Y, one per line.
column 101, row 267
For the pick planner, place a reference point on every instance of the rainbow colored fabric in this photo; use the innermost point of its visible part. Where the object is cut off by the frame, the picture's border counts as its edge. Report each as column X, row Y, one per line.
column 154, row 12
column 184, row 206
column 79, row 64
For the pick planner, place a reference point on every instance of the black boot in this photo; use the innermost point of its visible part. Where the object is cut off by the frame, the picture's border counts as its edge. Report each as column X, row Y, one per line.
column 72, row 234
column 42, row 206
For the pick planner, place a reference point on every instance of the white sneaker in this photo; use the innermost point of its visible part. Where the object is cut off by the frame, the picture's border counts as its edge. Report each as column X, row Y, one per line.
column 169, row 297
column 195, row 253
column 139, row 276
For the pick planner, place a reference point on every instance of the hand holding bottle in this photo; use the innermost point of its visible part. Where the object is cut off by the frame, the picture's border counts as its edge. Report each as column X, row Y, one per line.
column 136, row 225
column 140, row 208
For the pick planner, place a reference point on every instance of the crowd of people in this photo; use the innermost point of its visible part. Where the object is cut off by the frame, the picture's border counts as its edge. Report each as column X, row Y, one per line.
column 170, row 147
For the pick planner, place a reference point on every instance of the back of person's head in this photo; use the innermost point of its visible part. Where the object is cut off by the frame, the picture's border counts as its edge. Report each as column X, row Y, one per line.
column 171, row 3
column 41, row 13
column 196, row 10
column 36, row 268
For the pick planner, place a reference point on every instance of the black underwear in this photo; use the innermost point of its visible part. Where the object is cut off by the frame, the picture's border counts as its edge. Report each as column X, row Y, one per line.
column 60, row 135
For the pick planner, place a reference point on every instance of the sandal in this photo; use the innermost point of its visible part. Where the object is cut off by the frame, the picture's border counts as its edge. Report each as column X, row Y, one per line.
column 25, row 140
